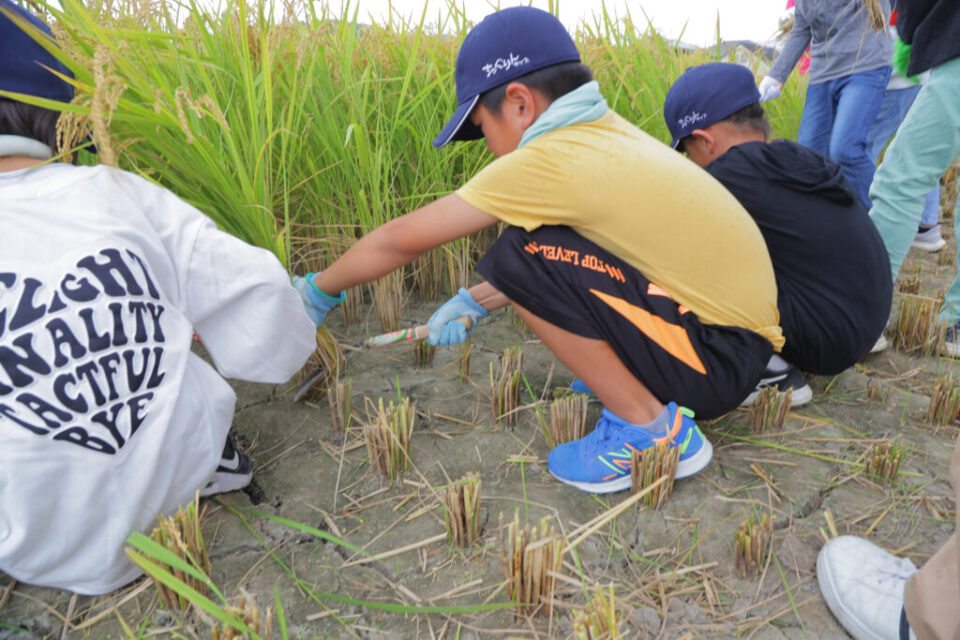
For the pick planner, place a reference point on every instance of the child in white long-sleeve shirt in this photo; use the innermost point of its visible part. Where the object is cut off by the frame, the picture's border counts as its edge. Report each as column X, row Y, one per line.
column 107, row 419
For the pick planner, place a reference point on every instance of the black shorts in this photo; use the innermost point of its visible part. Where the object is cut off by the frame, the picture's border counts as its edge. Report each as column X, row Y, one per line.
column 569, row 281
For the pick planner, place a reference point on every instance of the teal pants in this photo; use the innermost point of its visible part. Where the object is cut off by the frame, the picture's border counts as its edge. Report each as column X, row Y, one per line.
column 926, row 143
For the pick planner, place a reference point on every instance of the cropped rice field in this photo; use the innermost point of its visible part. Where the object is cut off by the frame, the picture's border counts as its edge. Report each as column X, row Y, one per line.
column 298, row 129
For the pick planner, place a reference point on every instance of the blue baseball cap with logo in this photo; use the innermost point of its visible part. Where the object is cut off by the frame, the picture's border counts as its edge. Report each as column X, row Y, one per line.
column 25, row 66
column 705, row 95
column 504, row 46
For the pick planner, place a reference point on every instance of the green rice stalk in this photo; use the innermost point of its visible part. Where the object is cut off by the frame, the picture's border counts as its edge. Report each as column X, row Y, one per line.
column 464, row 349
column 752, row 543
column 387, row 434
column 505, row 387
column 568, row 419
column 246, row 610
column 461, row 510
column 423, row 353
column 769, row 410
column 883, row 462
column 530, row 554
column 599, row 619
column 340, row 398
column 917, row 328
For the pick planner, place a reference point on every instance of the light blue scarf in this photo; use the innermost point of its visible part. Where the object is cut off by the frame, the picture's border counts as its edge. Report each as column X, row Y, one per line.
column 26, row 147
column 583, row 104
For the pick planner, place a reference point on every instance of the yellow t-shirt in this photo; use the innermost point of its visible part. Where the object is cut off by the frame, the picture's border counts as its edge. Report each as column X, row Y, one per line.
column 647, row 204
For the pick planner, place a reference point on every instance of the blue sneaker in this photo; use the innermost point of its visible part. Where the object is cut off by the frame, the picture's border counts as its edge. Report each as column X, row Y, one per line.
column 600, row 461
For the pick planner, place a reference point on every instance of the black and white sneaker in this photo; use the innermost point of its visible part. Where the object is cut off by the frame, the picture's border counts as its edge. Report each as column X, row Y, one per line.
column 785, row 377
column 233, row 473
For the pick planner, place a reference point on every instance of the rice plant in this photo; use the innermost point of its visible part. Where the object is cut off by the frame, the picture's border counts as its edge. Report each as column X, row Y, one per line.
column 917, row 328
column 568, row 419
column 599, row 618
column 650, row 465
column 387, row 434
column 461, row 510
column 946, row 257
column 505, row 386
column 770, row 409
column 340, row 399
column 530, row 555
column 752, row 543
column 883, row 461
column 180, row 534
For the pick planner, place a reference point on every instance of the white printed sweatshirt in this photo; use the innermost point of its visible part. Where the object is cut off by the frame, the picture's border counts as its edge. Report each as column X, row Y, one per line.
column 107, row 418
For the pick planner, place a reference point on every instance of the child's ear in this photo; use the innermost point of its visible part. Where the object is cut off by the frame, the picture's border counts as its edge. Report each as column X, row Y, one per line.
column 706, row 137
column 523, row 102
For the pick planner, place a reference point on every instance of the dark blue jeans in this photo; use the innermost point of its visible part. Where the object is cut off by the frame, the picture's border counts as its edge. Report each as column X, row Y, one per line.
column 837, row 118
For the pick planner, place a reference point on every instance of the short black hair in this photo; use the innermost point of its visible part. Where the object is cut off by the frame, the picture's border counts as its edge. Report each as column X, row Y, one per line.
column 751, row 116
column 29, row 121
column 553, row 82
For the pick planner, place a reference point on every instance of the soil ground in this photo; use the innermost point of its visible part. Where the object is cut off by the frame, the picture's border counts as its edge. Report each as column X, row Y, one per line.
column 673, row 569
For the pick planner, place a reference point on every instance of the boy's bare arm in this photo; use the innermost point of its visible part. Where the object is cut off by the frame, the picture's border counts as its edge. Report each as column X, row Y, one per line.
column 399, row 241
column 488, row 297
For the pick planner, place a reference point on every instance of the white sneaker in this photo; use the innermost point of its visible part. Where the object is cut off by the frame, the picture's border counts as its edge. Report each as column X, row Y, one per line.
column 929, row 240
column 880, row 345
column 785, row 377
column 863, row 586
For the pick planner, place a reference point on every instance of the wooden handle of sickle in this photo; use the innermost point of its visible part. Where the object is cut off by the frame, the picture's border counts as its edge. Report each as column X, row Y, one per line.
column 408, row 335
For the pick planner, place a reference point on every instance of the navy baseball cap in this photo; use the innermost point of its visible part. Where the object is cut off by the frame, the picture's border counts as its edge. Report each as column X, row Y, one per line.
column 504, row 46
column 705, row 95
column 23, row 59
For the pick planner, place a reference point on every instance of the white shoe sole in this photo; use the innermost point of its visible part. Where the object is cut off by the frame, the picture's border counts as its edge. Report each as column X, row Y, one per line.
column 882, row 344
column 686, row 468
column 799, row 396
column 932, row 247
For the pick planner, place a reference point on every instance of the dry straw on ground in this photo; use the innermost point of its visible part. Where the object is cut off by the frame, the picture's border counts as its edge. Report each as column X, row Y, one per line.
column 340, row 398
column 568, row 419
column 946, row 257
column 530, row 557
column 649, row 466
column 769, row 410
column 387, row 433
column 917, row 328
column 883, row 461
column 180, row 533
column 505, row 387
column 461, row 510
column 599, row 619
column 752, row 543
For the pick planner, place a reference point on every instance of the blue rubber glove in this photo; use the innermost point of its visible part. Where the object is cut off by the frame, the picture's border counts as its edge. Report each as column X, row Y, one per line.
column 443, row 329
column 316, row 302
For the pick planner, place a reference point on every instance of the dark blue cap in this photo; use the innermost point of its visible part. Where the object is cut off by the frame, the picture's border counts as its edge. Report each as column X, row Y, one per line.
column 705, row 95
column 24, row 64
column 504, row 46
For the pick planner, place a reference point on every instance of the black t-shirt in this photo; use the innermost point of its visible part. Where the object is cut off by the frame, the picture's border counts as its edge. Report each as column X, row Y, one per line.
column 832, row 269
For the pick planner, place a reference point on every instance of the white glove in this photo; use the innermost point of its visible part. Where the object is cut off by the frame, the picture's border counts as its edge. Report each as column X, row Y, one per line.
column 769, row 88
